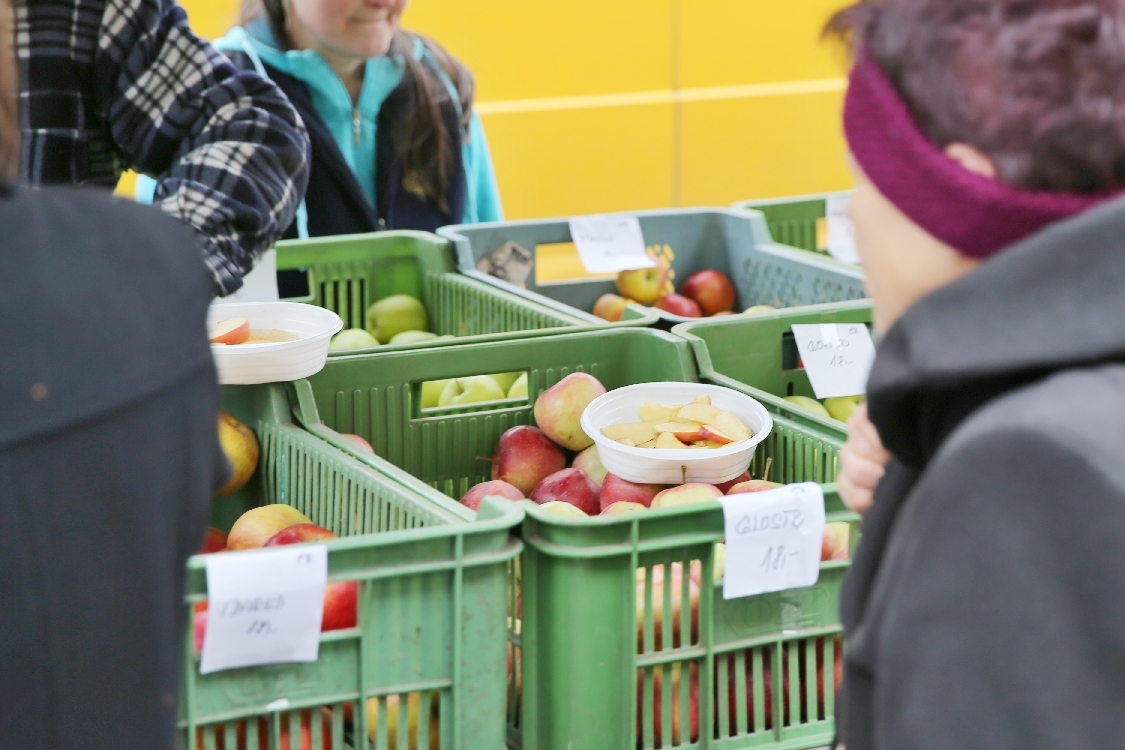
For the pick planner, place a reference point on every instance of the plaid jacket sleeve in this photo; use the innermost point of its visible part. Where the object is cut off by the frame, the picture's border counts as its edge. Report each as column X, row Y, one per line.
column 229, row 152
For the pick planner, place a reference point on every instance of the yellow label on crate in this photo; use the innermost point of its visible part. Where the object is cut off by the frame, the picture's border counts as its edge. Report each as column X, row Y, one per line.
column 822, row 233
column 559, row 262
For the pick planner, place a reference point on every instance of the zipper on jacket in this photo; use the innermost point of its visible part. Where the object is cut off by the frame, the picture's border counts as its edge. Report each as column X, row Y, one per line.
column 357, row 123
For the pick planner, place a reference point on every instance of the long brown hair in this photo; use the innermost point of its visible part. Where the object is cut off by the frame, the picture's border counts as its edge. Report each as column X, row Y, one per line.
column 9, row 94
column 426, row 150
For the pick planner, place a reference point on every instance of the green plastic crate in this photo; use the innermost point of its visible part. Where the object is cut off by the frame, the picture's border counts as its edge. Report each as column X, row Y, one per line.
column 432, row 604
column 346, row 273
column 578, row 644
column 757, row 355
column 795, row 220
column 734, row 242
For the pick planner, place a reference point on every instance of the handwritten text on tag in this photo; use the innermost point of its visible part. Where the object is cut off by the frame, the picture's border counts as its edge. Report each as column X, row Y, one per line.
column 773, row 539
column 608, row 244
column 837, row 357
column 264, row 607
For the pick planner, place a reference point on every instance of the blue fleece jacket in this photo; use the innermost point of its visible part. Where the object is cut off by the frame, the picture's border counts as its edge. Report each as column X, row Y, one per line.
column 354, row 126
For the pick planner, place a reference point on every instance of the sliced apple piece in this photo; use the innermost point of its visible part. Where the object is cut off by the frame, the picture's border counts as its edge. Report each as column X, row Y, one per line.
column 702, row 413
column 685, row 432
column 729, row 424
column 651, row 411
column 712, row 434
column 638, row 432
column 704, row 399
column 668, row 441
column 649, row 444
column 230, row 331
column 709, row 444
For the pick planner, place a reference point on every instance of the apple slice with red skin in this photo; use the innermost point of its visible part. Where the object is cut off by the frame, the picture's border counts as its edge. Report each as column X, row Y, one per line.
column 706, row 432
column 230, row 331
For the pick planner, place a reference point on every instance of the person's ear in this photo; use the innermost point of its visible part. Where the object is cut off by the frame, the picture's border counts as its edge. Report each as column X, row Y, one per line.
column 972, row 159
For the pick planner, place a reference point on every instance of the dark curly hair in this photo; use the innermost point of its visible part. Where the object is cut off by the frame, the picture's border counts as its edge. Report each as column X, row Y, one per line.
column 1037, row 85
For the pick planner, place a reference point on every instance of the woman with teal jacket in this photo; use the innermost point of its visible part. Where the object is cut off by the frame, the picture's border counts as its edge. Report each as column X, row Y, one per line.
column 395, row 141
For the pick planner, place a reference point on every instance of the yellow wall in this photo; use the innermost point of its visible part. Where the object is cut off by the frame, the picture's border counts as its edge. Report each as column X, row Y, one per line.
column 605, row 105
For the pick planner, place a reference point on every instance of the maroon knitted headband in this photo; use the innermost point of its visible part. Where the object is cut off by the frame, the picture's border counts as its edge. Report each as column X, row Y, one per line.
column 967, row 211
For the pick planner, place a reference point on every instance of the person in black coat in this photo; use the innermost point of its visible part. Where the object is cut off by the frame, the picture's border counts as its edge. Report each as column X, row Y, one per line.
column 986, row 601
column 109, row 458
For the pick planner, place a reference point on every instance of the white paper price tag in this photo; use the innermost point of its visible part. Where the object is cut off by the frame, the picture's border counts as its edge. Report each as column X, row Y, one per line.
column 264, row 607
column 841, row 233
column 773, row 539
column 608, row 244
column 837, row 357
column 260, row 285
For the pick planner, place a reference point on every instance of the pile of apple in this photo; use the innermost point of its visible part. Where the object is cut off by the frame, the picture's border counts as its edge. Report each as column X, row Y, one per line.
column 705, row 293
column 839, row 408
column 397, row 319
column 274, row 526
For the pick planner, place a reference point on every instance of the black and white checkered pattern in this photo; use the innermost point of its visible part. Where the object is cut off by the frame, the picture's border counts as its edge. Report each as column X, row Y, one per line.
column 107, row 85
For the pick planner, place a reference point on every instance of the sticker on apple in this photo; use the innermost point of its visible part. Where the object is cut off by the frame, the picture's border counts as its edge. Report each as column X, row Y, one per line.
column 774, row 539
column 609, row 244
column 265, row 606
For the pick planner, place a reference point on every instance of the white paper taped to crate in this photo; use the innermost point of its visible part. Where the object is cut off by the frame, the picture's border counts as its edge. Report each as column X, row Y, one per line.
column 773, row 539
column 841, row 233
column 837, row 357
column 264, row 606
column 609, row 244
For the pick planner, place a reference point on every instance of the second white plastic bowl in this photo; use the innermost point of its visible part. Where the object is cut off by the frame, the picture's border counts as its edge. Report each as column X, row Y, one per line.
column 653, row 466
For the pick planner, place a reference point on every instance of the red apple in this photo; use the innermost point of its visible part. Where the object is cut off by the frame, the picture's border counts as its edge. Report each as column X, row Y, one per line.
column 610, row 307
column 677, row 304
column 645, row 285
column 255, row 527
column 590, row 462
column 711, row 289
column 754, row 485
column 215, row 540
column 834, row 545
column 478, row 492
column 686, row 494
column 656, row 719
column 298, row 533
column 524, row 457
column 617, row 490
column 558, row 410
column 340, row 599
column 199, row 626
column 363, row 444
column 725, row 486
column 569, row 486
column 676, row 581
column 230, row 331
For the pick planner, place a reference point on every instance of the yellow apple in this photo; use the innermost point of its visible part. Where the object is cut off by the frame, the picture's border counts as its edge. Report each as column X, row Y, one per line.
column 352, row 338
column 558, row 410
column 519, row 388
column 240, row 446
column 809, row 403
column 470, row 390
column 392, row 315
column 686, row 494
column 431, row 392
column 412, row 337
column 256, row 526
column 842, row 407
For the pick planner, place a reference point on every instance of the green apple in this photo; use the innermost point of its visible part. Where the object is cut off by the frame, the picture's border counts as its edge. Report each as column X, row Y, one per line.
column 392, row 315
column 471, row 390
column 431, row 392
column 519, row 388
column 352, row 338
column 809, row 403
column 412, row 337
column 759, row 309
column 505, row 379
column 841, row 407
column 564, row 509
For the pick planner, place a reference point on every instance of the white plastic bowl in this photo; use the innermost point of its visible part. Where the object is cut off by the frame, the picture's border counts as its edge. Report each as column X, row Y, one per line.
column 247, row 364
column 654, row 466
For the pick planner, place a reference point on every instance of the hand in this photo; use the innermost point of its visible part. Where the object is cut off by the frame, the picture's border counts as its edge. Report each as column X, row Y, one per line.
column 862, row 462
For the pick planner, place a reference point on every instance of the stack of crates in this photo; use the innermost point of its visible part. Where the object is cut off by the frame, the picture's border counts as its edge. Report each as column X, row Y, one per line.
column 592, row 664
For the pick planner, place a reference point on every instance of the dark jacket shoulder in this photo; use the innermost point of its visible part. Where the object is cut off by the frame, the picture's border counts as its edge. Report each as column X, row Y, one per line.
column 111, row 299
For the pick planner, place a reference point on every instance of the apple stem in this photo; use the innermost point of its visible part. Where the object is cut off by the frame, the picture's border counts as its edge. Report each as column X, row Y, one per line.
column 683, row 474
column 766, row 472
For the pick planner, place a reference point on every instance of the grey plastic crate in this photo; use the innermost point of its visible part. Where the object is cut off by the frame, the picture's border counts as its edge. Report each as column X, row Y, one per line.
column 735, row 242
column 793, row 220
